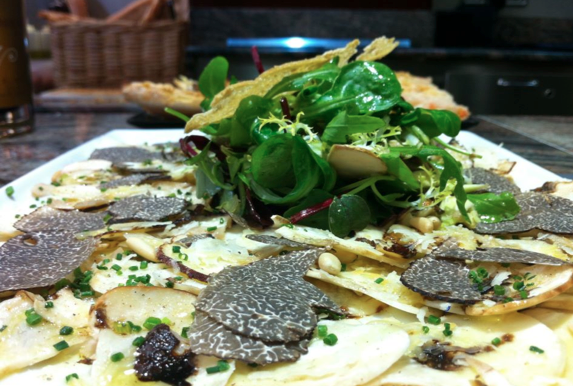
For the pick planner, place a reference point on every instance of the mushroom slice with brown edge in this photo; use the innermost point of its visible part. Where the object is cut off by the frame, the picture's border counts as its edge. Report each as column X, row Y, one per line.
column 163, row 256
column 41, row 259
column 49, row 219
column 538, row 211
column 498, row 255
column 497, row 184
column 442, row 280
column 146, row 208
column 266, row 302
column 355, row 162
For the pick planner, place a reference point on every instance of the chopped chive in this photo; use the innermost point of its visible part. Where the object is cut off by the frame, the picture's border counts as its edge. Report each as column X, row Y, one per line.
column 143, row 265
column 32, row 318
column 166, row 320
column 71, row 376
column 33, row 206
column 66, row 330
column 343, row 267
column 499, row 290
column 138, row 342
column 536, row 350
column 211, row 229
column 379, row 280
column 434, row 320
column 518, row 285
column 176, row 249
column 101, row 267
column 330, row 340
column 482, row 272
column 119, row 256
column 496, row 341
column 2, row 328
column 10, row 191
column 49, row 201
column 134, row 268
column 116, row 267
column 223, row 365
column 169, row 284
column 507, row 300
column 425, row 329
column 221, row 220
column 322, row 331
column 61, row 345
column 107, row 217
column 184, row 332
column 117, row 357
column 49, row 305
column 523, row 294
column 151, row 322
column 447, row 331
column 213, row 370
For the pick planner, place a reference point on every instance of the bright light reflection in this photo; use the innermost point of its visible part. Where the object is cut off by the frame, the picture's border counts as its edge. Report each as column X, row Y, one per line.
column 295, row 42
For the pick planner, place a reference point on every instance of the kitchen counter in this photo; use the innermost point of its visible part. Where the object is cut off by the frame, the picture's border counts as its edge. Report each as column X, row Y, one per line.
column 546, row 141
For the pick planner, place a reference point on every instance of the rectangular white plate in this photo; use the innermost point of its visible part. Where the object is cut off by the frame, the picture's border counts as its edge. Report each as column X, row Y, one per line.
column 526, row 174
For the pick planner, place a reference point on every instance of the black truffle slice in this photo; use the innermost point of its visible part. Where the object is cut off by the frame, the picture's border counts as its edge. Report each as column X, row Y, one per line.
column 499, row 255
column 41, row 259
column 157, row 359
column 538, row 211
column 46, row 218
column 146, row 208
column 497, row 184
column 207, row 337
column 121, row 155
column 264, row 299
column 442, row 280
column 276, row 241
column 134, row 179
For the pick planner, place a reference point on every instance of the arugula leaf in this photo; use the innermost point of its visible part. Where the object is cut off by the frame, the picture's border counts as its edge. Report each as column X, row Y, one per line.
column 328, row 179
column 348, row 213
column 436, row 122
column 343, row 125
column 212, row 80
column 306, row 172
column 451, row 169
column 493, row 208
column 362, row 87
column 295, row 82
column 398, row 168
column 271, row 163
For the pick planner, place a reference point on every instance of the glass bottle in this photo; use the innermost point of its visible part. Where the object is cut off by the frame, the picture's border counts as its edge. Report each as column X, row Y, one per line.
column 16, row 116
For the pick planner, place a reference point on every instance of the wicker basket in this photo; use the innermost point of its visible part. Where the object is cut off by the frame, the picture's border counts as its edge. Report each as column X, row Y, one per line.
column 99, row 54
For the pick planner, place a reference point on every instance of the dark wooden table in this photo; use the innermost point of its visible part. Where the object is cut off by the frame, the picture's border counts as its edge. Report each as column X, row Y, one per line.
column 57, row 133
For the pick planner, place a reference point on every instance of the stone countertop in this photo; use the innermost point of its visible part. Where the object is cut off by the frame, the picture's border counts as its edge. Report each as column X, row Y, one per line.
column 546, row 141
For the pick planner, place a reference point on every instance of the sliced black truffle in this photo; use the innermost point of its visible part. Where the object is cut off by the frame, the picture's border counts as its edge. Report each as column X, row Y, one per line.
column 265, row 239
column 499, row 255
column 41, row 259
column 538, row 211
column 262, row 312
column 441, row 280
column 208, row 337
column 267, row 299
column 146, row 208
column 158, row 359
column 121, row 155
column 46, row 218
column 134, row 179
column 497, row 184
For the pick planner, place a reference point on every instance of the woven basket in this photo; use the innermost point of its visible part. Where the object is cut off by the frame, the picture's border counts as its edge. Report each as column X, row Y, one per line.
column 99, row 54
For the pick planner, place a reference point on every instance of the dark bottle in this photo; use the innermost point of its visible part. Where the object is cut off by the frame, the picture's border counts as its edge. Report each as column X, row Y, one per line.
column 15, row 81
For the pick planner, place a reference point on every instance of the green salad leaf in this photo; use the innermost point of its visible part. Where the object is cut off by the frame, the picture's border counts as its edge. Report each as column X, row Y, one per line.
column 348, row 213
column 212, row 80
column 493, row 208
column 343, row 125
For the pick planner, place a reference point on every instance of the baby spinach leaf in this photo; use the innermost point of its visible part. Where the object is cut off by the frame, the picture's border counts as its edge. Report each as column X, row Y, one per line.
column 307, row 176
column 344, row 124
column 437, row 122
column 212, row 79
column 493, row 208
column 328, row 179
column 271, row 164
column 348, row 213
column 362, row 86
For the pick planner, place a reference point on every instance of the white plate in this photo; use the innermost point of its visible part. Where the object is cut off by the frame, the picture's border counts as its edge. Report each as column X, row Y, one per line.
column 526, row 174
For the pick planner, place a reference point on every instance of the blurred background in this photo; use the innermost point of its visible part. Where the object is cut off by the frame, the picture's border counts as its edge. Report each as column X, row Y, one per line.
column 496, row 56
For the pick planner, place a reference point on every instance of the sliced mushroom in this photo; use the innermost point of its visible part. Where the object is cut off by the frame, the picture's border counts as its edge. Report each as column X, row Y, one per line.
column 355, row 162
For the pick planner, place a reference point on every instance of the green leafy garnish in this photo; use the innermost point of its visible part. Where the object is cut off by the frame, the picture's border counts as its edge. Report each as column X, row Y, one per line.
column 493, row 208
column 212, row 80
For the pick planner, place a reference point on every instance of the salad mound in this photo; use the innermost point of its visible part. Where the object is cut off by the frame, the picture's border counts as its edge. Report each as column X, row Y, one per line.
column 330, row 144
